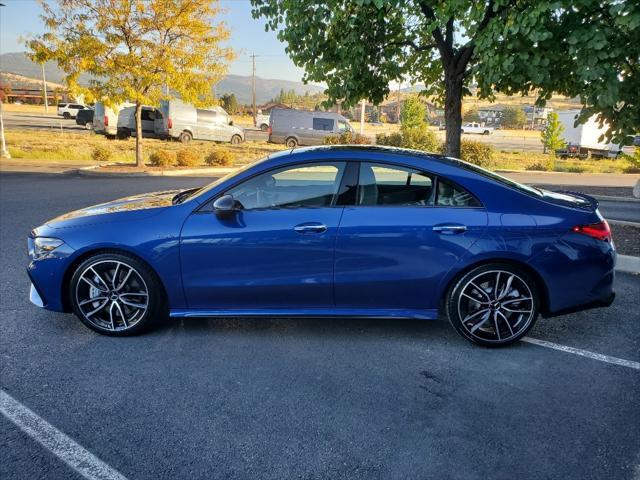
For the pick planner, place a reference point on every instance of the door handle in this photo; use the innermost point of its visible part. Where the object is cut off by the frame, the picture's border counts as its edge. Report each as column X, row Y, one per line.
column 310, row 228
column 450, row 228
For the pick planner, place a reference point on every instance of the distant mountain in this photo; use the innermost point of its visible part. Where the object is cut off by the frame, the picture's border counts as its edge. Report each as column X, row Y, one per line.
column 266, row 89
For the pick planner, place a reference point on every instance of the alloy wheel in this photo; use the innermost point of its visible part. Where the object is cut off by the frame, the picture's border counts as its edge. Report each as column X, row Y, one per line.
column 496, row 306
column 112, row 295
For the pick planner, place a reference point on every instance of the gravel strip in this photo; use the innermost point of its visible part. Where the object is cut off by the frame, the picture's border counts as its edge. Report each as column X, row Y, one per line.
column 626, row 239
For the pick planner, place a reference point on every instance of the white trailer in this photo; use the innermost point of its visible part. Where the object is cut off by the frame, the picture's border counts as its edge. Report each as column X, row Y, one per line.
column 584, row 139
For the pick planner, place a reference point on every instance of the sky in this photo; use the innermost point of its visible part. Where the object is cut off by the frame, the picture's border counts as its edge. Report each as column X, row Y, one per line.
column 21, row 18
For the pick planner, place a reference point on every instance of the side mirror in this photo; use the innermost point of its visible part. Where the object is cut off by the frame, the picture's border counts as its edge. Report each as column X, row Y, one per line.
column 225, row 205
column 231, row 123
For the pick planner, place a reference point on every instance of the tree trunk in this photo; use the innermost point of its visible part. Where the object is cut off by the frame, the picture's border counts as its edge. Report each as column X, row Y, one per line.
column 453, row 112
column 139, row 160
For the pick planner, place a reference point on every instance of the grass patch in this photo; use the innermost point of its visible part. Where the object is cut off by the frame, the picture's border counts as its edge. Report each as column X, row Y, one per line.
column 78, row 147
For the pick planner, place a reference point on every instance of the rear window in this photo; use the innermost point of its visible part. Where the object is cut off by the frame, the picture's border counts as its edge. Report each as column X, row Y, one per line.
column 324, row 124
column 494, row 176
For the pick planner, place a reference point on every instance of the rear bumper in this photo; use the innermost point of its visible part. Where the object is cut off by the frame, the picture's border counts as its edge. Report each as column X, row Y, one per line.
column 605, row 301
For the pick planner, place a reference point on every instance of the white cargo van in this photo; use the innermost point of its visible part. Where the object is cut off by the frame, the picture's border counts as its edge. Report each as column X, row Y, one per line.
column 584, row 140
column 127, row 121
column 185, row 122
column 105, row 119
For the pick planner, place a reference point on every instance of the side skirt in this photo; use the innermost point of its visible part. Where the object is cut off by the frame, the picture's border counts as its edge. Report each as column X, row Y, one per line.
column 431, row 314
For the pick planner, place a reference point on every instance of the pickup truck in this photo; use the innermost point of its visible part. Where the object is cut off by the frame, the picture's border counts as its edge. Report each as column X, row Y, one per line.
column 262, row 121
column 475, row 128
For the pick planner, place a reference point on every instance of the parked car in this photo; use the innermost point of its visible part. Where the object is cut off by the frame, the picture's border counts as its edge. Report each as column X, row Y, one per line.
column 184, row 122
column 300, row 127
column 70, row 110
column 262, row 121
column 586, row 139
column 126, row 126
column 331, row 231
column 85, row 118
column 474, row 127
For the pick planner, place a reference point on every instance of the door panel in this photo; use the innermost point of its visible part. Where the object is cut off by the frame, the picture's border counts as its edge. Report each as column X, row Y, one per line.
column 275, row 251
column 257, row 259
column 390, row 257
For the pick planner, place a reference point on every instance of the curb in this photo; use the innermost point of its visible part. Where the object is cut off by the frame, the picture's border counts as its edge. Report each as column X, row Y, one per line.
column 628, row 264
column 93, row 171
column 611, row 198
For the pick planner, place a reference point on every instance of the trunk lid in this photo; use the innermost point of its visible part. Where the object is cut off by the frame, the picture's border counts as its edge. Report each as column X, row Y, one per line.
column 571, row 199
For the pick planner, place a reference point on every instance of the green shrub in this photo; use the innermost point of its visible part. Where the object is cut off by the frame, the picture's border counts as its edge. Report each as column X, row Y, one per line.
column 221, row 158
column 633, row 162
column 101, row 154
column 416, row 138
column 478, row 153
column 347, row 138
column 392, row 140
column 162, row 158
column 537, row 166
column 188, row 158
column 420, row 139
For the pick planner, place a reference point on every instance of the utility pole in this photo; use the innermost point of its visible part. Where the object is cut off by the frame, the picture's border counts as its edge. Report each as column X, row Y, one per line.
column 44, row 89
column 4, row 153
column 363, row 105
column 253, row 89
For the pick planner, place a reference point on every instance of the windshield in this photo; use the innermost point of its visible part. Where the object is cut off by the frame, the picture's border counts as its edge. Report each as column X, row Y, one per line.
column 494, row 176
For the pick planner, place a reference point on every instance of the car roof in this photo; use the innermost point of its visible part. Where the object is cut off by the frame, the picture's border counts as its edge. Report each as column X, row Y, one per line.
column 336, row 150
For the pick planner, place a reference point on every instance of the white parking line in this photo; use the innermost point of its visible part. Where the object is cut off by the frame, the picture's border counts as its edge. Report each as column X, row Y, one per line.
column 63, row 447
column 584, row 353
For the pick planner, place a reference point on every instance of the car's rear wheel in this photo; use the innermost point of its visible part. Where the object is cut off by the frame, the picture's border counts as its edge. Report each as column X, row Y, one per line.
column 66, row 115
column 116, row 294
column 493, row 305
column 264, row 127
column 236, row 140
column 291, row 142
column 88, row 126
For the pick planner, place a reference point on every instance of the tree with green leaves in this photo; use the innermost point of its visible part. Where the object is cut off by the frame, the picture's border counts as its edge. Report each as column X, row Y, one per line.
column 513, row 117
column 412, row 114
column 229, row 103
column 136, row 50
column 551, row 136
column 512, row 46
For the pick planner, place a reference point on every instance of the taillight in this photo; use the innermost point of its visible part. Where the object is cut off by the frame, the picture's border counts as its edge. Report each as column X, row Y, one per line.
column 599, row 231
column 269, row 130
column 106, row 121
column 169, row 123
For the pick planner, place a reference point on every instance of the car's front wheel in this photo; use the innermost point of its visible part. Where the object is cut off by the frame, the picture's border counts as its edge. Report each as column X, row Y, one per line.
column 493, row 305
column 116, row 294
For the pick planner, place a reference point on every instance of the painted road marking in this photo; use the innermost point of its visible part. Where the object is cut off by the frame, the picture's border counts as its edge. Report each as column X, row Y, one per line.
column 584, row 353
column 63, row 447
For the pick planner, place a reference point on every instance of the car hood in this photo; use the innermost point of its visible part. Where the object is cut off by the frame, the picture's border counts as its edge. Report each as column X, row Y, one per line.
column 128, row 208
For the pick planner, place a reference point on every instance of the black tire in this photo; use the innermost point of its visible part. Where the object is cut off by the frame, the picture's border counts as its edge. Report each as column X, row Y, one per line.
column 123, row 134
column 66, row 115
column 185, row 137
column 486, row 132
column 264, row 127
column 476, row 319
column 105, row 319
column 236, row 140
column 88, row 126
column 291, row 142
column 461, row 131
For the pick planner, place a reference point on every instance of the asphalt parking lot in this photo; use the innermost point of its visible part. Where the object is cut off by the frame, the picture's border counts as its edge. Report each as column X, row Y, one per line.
column 307, row 399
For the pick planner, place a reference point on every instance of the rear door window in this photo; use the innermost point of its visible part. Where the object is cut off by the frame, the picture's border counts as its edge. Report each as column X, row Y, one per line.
column 450, row 195
column 393, row 185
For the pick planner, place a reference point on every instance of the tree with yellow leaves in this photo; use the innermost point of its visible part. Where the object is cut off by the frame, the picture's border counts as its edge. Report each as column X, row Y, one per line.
column 136, row 50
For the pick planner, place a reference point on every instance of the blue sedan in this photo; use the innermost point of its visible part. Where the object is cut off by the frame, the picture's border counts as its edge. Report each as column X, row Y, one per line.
column 332, row 232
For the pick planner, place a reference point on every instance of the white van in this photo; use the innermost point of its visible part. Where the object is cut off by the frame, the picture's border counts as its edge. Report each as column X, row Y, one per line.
column 105, row 119
column 185, row 122
column 127, row 121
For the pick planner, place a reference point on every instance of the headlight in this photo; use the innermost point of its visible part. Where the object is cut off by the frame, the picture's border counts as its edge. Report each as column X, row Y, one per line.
column 44, row 245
